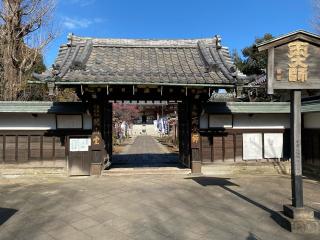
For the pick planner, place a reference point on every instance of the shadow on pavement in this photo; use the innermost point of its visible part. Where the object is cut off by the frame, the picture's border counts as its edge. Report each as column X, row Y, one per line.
column 146, row 160
column 224, row 183
column 252, row 237
column 213, row 181
column 5, row 214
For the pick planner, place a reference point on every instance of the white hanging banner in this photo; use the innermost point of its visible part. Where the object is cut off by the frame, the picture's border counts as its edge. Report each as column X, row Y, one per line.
column 273, row 145
column 252, row 146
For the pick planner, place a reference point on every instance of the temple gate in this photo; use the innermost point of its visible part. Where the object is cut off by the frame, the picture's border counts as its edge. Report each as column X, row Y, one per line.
column 106, row 70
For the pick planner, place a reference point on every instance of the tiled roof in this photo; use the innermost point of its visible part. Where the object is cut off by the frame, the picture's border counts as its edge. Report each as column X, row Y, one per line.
column 247, row 107
column 41, row 107
column 130, row 61
column 259, row 107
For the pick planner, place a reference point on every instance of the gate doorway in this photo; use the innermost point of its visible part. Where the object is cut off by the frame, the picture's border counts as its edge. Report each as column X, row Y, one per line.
column 145, row 135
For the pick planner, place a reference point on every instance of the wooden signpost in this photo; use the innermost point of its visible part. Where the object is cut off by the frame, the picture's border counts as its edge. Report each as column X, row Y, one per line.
column 294, row 64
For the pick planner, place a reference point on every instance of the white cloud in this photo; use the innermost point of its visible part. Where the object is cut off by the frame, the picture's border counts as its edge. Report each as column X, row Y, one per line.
column 82, row 3
column 75, row 23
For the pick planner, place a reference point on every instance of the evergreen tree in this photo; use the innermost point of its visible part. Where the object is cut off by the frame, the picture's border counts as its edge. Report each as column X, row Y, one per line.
column 253, row 61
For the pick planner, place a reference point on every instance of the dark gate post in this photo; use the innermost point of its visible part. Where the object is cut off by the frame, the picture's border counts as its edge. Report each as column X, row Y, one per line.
column 189, row 137
column 107, row 128
column 184, row 132
column 195, row 138
column 97, row 143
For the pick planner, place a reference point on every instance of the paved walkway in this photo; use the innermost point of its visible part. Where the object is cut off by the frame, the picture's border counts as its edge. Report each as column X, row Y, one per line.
column 145, row 151
column 148, row 207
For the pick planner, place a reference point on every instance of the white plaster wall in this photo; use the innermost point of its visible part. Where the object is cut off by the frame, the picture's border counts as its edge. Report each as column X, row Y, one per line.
column 150, row 130
column 69, row 121
column 25, row 121
column 220, row 121
column 261, row 121
column 312, row 120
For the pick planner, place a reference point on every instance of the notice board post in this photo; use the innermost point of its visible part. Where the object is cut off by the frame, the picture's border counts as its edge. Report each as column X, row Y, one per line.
column 294, row 65
column 296, row 159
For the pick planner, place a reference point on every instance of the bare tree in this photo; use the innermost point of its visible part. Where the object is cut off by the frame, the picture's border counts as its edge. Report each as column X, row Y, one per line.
column 26, row 29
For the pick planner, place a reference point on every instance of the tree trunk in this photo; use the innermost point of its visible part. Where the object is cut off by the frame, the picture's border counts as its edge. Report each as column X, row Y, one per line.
column 10, row 77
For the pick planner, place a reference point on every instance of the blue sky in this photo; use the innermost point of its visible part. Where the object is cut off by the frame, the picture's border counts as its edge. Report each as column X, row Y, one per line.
column 239, row 22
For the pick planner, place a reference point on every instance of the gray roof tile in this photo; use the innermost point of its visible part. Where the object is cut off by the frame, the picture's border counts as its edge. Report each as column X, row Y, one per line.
column 122, row 61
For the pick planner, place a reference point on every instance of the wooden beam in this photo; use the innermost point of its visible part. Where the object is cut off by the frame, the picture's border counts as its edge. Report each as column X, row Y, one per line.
column 270, row 70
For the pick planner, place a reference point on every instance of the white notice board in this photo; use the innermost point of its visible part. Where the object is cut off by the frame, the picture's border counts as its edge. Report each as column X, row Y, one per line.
column 273, row 145
column 79, row 144
column 252, row 146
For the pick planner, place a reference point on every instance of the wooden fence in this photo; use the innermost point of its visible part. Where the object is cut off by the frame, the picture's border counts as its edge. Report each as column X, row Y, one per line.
column 311, row 148
column 227, row 146
column 34, row 148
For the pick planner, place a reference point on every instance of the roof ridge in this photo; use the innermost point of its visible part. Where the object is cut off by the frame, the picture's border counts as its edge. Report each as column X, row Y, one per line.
column 147, row 39
column 137, row 41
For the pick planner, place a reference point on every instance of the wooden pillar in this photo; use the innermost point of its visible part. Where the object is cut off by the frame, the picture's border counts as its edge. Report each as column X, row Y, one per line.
column 107, row 128
column 195, row 152
column 296, row 161
column 189, row 137
column 195, row 139
column 184, row 132
column 97, row 142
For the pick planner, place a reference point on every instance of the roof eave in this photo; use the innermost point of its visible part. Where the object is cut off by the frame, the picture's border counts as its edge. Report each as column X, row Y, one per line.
column 45, row 107
column 259, row 107
column 144, row 83
column 299, row 34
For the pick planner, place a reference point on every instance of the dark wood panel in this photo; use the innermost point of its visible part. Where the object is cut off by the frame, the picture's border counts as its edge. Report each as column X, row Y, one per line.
column 206, row 155
column 310, row 148
column 205, row 142
column 35, row 147
column 238, row 148
column 79, row 163
column 23, row 149
column 10, row 148
column 315, row 148
column 60, row 151
column 217, row 149
column 206, row 148
column 228, row 148
column 47, row 147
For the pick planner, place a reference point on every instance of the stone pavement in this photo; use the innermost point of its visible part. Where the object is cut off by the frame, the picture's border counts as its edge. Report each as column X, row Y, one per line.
column 148, row 207
column 145, row 151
